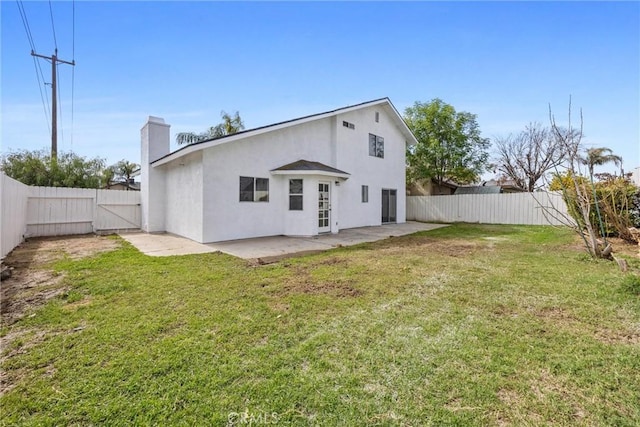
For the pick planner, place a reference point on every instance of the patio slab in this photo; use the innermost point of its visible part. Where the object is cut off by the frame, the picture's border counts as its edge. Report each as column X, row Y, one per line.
column 274, row 246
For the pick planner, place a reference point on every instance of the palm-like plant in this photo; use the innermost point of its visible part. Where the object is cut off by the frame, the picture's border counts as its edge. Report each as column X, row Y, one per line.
column 124, row 169
column 230, row 125
column 600, row 156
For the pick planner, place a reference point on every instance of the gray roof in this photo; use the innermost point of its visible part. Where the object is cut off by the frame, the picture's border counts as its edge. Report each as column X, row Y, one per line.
column 395, row 115
column 306, row 165
column 486, row 189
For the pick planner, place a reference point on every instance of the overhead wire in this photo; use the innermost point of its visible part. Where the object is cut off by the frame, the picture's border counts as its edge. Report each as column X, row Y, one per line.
column 73, row 59
column 53, row 27
column 60, row 107
column 38, row 69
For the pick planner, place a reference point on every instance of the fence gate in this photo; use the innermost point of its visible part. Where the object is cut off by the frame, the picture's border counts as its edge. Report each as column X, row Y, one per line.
column 117, row 210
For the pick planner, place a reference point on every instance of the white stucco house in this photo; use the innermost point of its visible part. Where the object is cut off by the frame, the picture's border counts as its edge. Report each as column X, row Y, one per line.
column 316, row 174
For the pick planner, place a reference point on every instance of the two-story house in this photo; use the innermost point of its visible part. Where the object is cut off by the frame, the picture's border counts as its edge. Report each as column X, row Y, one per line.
column 316, row 174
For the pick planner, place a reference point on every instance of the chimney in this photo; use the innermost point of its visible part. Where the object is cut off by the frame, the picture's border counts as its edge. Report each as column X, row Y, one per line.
column 155, row 135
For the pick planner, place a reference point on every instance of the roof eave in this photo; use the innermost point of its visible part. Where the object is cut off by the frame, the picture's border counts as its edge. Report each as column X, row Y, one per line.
column 311, row 172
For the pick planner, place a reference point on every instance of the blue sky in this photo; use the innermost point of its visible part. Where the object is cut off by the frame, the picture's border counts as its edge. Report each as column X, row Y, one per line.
column 187, row 61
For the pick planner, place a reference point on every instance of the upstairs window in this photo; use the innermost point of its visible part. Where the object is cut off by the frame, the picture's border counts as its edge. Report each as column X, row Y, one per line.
column 377, row 117
column 295, row 194
column 254, row 189
column 376, row 146
column 365, row 194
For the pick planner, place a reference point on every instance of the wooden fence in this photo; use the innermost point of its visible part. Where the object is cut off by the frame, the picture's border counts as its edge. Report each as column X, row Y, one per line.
column 538, row 208
column 54, row 211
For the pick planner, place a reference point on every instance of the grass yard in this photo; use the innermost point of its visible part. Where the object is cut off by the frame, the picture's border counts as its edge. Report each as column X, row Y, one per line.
column 464, row 325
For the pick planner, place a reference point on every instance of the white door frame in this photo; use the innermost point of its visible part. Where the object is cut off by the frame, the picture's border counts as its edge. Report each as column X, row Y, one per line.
column 324, row 207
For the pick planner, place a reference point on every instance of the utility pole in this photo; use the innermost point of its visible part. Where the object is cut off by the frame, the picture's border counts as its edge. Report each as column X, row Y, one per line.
column 54, row 97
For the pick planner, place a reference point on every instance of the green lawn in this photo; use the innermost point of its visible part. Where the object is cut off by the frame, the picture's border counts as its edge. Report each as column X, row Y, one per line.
column 464, row 325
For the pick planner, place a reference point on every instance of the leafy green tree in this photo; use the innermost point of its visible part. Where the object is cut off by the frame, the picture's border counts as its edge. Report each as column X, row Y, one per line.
column 450, row 146
column 39, row 168
column 108, row 176
column 230, row 125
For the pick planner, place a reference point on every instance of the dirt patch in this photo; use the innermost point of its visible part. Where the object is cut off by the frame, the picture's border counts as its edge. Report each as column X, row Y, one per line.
column 341, row 288
column 555, row 313
column 622, row 247
column 562, row 317
column 302, row 280
column 33, row 282
column 31, row 285
column 449, row 247
column 609, row 336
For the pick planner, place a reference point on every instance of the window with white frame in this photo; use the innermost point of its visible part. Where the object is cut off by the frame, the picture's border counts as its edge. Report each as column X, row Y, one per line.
column 376, row 146
column 254, row 189
column 295, row 194
column 365, row 194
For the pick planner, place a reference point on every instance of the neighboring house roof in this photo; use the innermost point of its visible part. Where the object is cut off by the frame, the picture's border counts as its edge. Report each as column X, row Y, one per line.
column 445, row 183
column 486, row 189
column 135, row 186
column 302, row 167
column 400, row 123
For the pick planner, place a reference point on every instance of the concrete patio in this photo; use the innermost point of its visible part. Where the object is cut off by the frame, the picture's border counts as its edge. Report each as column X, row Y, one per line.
column 271, row 247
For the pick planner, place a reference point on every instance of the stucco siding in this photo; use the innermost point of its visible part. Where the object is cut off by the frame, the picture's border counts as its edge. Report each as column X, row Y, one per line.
column 199, row 186
column 374, row 172
column 183, row 208
column 225, row 217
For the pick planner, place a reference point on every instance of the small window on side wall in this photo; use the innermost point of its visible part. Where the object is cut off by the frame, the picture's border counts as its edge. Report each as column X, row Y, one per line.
column 377, row 117
column 365, row 194
column 254, row 189
column 295, row 194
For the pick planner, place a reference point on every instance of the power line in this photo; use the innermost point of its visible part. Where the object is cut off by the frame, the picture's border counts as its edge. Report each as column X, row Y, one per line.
column 73, row 58
column 25, row 23
column 54, row 103
column 47, row 113
column 53, row 28
column 60, row 108
column 38, row 69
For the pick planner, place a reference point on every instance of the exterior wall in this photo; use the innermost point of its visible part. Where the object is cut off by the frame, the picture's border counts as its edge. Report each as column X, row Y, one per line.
column 183, row 207
column 13, row 213
column 225, row 217
column 305, row 222
column 377, row 173
column 154, row 145
column 212, row 211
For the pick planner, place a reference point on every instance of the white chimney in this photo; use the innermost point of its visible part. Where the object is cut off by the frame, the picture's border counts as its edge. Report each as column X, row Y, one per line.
column 155, row 136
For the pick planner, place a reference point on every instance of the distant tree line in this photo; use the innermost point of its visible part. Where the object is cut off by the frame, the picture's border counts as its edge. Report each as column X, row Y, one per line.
column 37, row 167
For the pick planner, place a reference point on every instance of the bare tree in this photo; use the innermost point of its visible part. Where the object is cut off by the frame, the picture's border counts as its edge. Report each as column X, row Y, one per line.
column 528, row 156
column 577, row 192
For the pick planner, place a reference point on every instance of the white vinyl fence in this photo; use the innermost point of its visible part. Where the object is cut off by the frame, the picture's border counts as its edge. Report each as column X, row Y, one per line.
column 538, row 208
column 54, row 211
column 13, row 213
